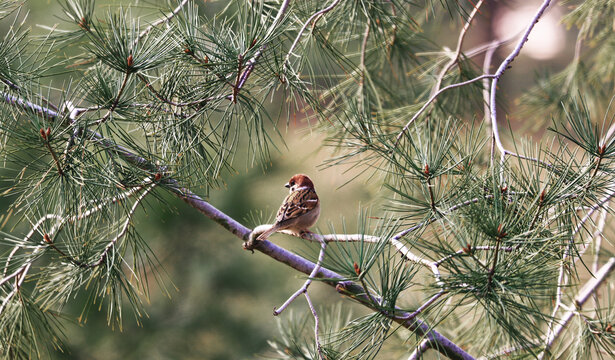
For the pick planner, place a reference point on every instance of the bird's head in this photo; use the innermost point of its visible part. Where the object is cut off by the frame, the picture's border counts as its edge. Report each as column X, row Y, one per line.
column 299, row 181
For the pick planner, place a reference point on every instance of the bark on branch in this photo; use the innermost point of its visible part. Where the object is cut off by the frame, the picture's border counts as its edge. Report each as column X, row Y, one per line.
column 348, row 288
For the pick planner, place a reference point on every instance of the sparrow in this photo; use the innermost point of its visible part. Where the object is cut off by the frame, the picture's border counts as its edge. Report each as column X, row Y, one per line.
column 299, row 210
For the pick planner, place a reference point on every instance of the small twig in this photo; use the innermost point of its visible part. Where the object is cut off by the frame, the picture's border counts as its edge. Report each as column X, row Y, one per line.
column 374, row 300
column 122, row 232
column 541, row 199
column 180, row 104
column 561, row 279
column 487, row 118
column 318, row 15
column 498, row 242
column 502, row 68
column 20, row 277
column 29, row 106
column 205, row 63
column 316, row 323
column 23, row 241
column 116, row 101
column 362, row 64
column 46, row 134
column 427, row 304
column 10, row 84
column 164, row 19
column 236, row 87
column 303, row 289
column 252, row 62
column 509, row 350
column 432, row 198
column 577, row 48
column 417, row 354
column 53, row 246
column 598, row 236
column 471, row 250
column 601, row 150
column 455, row 57
column 584, row 294
column 495, row 261
column 434, row 97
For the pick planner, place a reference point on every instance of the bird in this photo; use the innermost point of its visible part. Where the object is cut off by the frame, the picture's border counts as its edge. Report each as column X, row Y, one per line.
column 299, row 210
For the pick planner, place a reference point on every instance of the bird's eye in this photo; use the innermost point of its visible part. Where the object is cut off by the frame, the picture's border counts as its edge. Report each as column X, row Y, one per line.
column 292, row 183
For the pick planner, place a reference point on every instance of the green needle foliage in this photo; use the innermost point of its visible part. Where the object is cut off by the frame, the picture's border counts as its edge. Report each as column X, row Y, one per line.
column 500, row 247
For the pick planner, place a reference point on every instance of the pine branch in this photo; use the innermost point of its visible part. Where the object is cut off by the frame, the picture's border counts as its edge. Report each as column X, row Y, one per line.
column 304, row 288
column 249, row 66
column 498, row 74
column 417, row 354
column 584, row 294
column 315, row 17
column 162, row 20
column 316, row 323
column 457, row 53
column 348, row 288
column 433, row 98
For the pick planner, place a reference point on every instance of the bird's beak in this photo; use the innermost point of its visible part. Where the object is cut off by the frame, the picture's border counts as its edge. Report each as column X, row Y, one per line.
column 287, row 185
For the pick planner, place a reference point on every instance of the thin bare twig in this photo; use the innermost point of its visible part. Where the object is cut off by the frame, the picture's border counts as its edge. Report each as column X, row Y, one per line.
column 562, row 279
column 466, row 251
column 487, row 117
column 457, row 53
column 500, row 71
column 18, row 281
column 122, row 232
column 317, row 15
column 598, row 236
column 427, row 304
column 362, row 64
column 249, row 65
column 316, row 323
column 34, row 229
column 584, row 294
column 162, row 20
column 116, row 101
column 181, row 104
column 303, row 289
column 434, row 97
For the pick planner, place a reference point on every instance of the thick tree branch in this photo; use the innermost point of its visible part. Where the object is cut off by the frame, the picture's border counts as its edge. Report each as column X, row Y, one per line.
column 345, row 287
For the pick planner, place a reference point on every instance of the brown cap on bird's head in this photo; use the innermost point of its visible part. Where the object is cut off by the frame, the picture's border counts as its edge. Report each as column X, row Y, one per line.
column 299, row 180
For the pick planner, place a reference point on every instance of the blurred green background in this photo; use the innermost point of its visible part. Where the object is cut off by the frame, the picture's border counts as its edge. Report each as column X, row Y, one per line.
column 220, row 297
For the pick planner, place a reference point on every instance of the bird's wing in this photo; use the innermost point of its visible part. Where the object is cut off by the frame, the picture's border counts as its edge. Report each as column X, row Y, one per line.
column 296, row 204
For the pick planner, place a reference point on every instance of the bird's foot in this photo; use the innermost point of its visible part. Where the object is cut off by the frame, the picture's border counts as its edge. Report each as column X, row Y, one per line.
column 250, row 244
column 306, row 235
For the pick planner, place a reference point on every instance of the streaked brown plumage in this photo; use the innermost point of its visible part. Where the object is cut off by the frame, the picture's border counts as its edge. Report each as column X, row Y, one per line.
column 299, row 210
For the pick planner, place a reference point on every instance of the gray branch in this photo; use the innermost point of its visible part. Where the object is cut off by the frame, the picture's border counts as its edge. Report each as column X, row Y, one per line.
column 444, row 345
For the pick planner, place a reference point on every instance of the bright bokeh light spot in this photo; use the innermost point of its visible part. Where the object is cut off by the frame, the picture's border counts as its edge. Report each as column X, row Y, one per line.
column 547, row 38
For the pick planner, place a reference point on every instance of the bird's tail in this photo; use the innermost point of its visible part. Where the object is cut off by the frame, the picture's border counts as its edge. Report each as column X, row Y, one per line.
column 267, row 233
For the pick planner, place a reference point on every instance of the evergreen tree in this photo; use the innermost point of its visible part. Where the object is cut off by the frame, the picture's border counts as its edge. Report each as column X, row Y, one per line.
column 490, row 245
